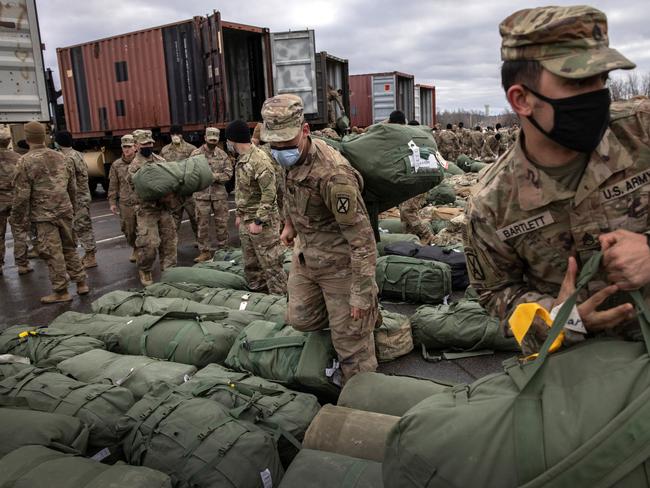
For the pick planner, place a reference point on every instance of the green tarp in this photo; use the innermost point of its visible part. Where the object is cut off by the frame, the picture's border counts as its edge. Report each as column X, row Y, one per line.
column 413, row 280
column 154, row 181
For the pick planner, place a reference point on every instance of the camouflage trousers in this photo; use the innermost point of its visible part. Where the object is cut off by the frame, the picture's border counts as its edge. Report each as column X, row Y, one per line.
column 156, row 233
column 83, row 228
column 320, row 298
column 58, row 247
column 409, row 214
column 19, row 234
column 263, row 258
column 220, row 210
column 128, row 222
column 185, row 205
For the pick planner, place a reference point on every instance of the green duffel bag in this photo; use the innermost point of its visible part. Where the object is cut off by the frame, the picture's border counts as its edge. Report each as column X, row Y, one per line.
column 226, row 266
column 11, row 365
column 180, row 337
column 156, row 180
column 393, row 337
column 412, row 279
column 173, row 290
column 20, row 428
column 101, row 326
column 393, row 226
column 235, row 255
column 387, row 239
column 453, row 169
column 272, row 307
column 443, row 194
column 98, row 406
column 269, row 405
column 438, row 224
column 44, row 346
column 135, row 373
column 469, row 165
column 204, row 277
column 460, row 326
column 198, row 443
column 577, row 417
column 319, row 469
column 40, row 467
column 304, row 361
column 387, row 394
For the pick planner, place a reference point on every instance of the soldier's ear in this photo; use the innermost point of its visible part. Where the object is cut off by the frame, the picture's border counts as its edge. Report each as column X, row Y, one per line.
column 520, row 100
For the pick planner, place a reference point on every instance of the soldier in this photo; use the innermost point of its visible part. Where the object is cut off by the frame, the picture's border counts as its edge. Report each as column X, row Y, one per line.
column 258, row 220
column 477, row 139
column 8, row 164
column 397, row 117
column 177, row 150
column 83, row 227
column 464, row 138
column 491, row 149
column 279, row 172
column 121, row 196
column 213, row 199
column 332, row 279
column 578, row 185
column 156, row 230
column 449, row 145
column 333, row 100
column 45, row 194
column 409, row 214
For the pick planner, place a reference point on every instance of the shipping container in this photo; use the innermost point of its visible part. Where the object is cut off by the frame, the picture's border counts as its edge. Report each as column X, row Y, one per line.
column 374, row 96
column 425, row 104
column 23, row 94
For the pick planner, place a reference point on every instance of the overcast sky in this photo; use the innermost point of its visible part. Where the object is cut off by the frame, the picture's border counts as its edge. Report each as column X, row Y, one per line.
column 452, row 44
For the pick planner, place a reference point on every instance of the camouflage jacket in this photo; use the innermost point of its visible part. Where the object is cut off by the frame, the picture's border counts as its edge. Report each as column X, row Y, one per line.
column 477, row 139
column 173, row 152
column 138, row 161
column 324, row 204
column 523, row 226
column 449, row 145
column 279, row 177
column 45, row 187
column 490, row 150
column 255, row 187
column 222, row 170
column 8, row 164
column 80, row 173
column 119, row 189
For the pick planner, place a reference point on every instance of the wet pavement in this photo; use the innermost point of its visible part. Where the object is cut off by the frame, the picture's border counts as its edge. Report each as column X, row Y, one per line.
column 19, row 295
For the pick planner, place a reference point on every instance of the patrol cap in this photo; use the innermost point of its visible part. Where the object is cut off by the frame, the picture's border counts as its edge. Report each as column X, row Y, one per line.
column 143, row 136
column 283, row 118
column 127, row 140
column 5, row 133
column 212, row 134
column 570, row 42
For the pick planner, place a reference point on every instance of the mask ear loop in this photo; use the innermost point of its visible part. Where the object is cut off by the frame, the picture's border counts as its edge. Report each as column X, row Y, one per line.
column 533, row 120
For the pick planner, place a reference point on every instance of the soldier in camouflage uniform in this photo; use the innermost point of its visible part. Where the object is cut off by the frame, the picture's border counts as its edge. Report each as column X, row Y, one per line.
column 477, row 139
column 492, row 148
column 214, row 199
column 579, row 185
column 8, row 164
column 409, row 214
column 279, row 172
column 465, row 139
column 178, row 150
column 156, row 230
column 121, row 196
column 257, row 213
column 332, row 279
column 333, row 101
column 45, row 194
column 448, row 144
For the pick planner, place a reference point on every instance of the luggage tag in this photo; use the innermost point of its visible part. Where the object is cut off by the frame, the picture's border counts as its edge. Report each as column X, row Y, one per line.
column 244, row 303
column 522, row 319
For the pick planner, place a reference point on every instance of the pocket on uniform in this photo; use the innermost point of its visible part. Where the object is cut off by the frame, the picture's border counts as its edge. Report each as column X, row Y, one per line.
column 142, row 238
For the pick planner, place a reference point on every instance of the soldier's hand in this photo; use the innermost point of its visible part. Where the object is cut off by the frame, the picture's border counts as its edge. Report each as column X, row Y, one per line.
column 358, row 313
column 114, row 210
column 288, row 234
column 626, row 256
column 253, row 228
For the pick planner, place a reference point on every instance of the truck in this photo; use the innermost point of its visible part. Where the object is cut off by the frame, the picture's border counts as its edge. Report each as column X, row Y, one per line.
column 373, row 96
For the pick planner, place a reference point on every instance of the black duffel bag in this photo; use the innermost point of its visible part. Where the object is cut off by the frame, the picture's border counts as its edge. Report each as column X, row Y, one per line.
column 455, row 259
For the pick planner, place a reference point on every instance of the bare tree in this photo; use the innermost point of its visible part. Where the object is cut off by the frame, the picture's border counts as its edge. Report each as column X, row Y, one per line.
column 629, row 86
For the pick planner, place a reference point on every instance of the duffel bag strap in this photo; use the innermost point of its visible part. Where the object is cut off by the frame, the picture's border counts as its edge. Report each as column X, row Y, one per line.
column 274, row 343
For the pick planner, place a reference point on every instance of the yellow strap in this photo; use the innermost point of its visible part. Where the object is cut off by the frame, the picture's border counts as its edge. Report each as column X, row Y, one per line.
column 522, row 319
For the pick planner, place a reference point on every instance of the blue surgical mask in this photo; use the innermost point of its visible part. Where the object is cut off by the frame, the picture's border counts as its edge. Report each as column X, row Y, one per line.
column 286, row 157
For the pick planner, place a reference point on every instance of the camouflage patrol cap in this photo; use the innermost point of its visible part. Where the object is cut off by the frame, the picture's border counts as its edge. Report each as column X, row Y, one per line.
column 127, row 140
column 283, row 118
column 570, row 42
column 5, row 133
column 212, row 134
column 143, row 136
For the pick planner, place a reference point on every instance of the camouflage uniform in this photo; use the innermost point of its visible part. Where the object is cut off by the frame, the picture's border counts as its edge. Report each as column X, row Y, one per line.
column 213, row 199
column 44, row 192
column 449, row 145
column 178, row 152
column 156, row 230
column 333, row 100
column 465, row 139
column 523, row 224
column 477, row 139
column 8, row 165
column 409, row 214
column 122, row 195
column 491, row 149
column 255, row 196
column 83, row 227
column 333, row 264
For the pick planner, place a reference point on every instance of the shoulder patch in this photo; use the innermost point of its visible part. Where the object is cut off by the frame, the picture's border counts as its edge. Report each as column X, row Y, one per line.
column 344, row 203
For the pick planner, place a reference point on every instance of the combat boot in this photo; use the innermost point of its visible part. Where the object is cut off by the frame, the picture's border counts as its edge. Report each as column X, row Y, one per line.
column 89, row 260
column 57, row 298
column 204, row 256
column 145, row 277
column 133, row 258
column 22, row 270
column 82, row 288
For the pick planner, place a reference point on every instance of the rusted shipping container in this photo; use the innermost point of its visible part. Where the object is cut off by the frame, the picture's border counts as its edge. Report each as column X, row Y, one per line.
column 374, row 96
column 425, row 104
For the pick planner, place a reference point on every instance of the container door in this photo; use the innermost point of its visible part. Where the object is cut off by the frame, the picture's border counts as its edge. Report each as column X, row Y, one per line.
column 384, row 93
column 23, row 95
column 416, row 101
column 294, row 66
column 215, row 79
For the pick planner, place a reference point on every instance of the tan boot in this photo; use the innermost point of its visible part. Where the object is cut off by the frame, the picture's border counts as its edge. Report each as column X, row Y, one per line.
column 22, row 270
column 57, row 298
column 133, row 258
column 204, row 256
column 82, row 288
column 145, row 277
column 89, row 260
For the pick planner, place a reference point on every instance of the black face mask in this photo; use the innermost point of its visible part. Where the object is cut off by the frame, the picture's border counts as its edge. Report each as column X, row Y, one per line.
column 579, row 122
column 146, row 151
